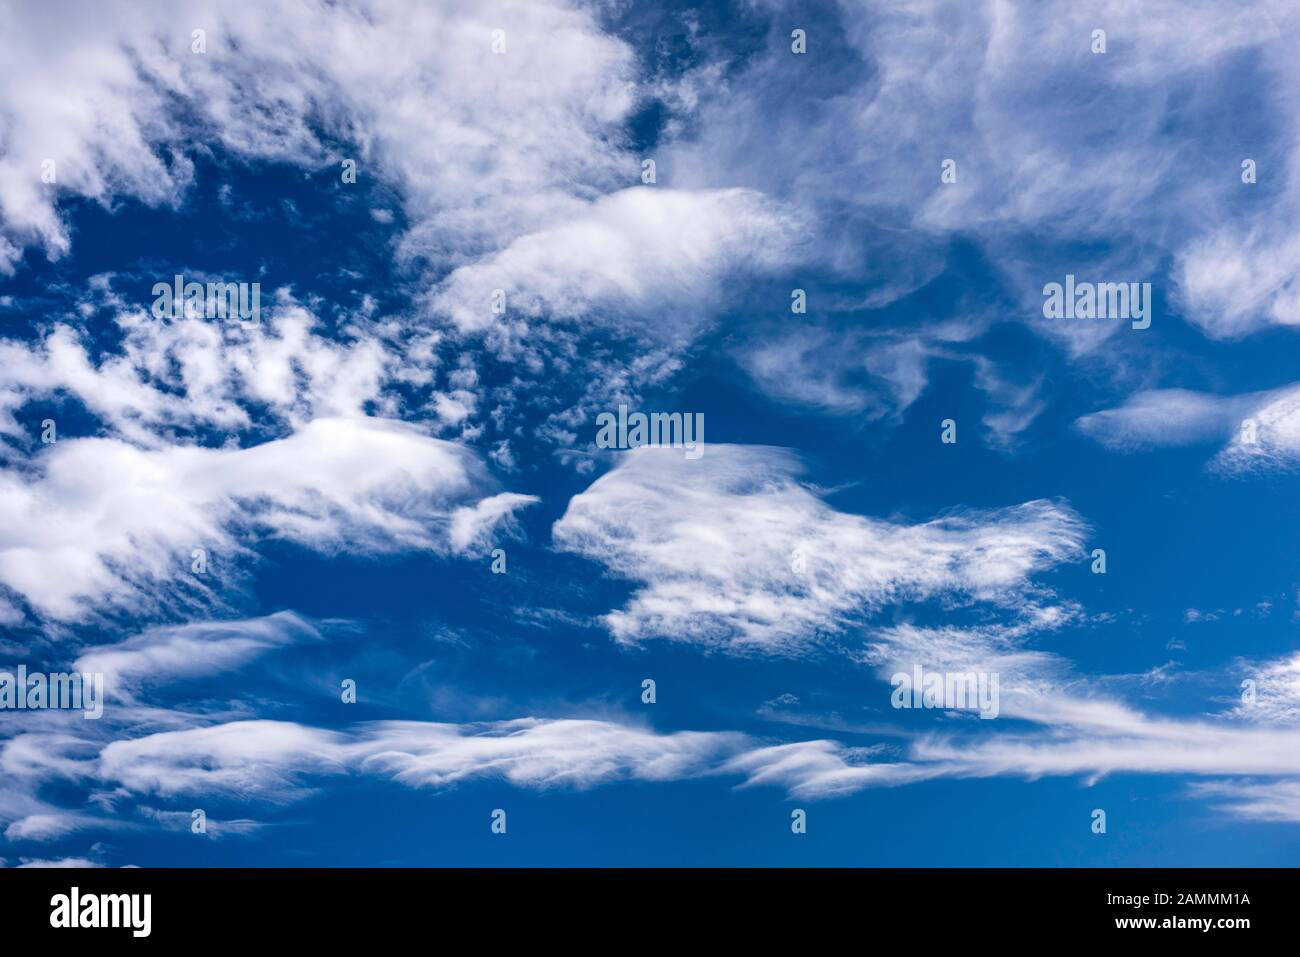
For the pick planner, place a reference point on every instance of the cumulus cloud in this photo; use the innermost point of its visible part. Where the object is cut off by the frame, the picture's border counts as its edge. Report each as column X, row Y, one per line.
column 717, row 545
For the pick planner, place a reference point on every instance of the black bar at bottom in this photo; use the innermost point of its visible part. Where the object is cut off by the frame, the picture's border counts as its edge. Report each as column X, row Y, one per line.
column 210, row 907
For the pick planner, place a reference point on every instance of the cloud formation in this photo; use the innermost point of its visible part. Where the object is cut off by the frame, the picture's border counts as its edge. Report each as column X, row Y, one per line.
column 731, row 552
column 482, row 146
column 98, row 523
column 1261, row 429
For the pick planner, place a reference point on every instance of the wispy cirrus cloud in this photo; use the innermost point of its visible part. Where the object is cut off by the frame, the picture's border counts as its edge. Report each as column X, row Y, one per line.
column 1253, row 800
column 1064, row 157
column 653, row 260
column 172, row 653
column 277, row 762
column 1261, row 429
column 1066, row 725
column 731, row 552
column 96, row 524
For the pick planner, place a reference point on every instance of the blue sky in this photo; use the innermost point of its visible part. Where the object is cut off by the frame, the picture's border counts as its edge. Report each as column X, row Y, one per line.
column 350, row 465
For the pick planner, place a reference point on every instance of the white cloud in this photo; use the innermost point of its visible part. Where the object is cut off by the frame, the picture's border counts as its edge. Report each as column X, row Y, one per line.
column 1077, row 733
column 213, row 827
column 51, row 826
column 58, row 862
column 651, row 258
column 28, row 761
column 512, row 170
column 1277, row 692
column 80, row 102
column 249, row 759
column 808, row 367
column 1140, row 746
column 714, row 544
column 823, row 769
column 1268, row 437
column 1235, row 281
column 1165, row 417
column 1067, row 161
column 1262, row 429
column 276, row 761
column 194, row 373
column 1254, row 800
column 873, row 375
column 481, row 146
column 98, row 522
column 536, row 753
column 180, row 652
column 472, row 525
